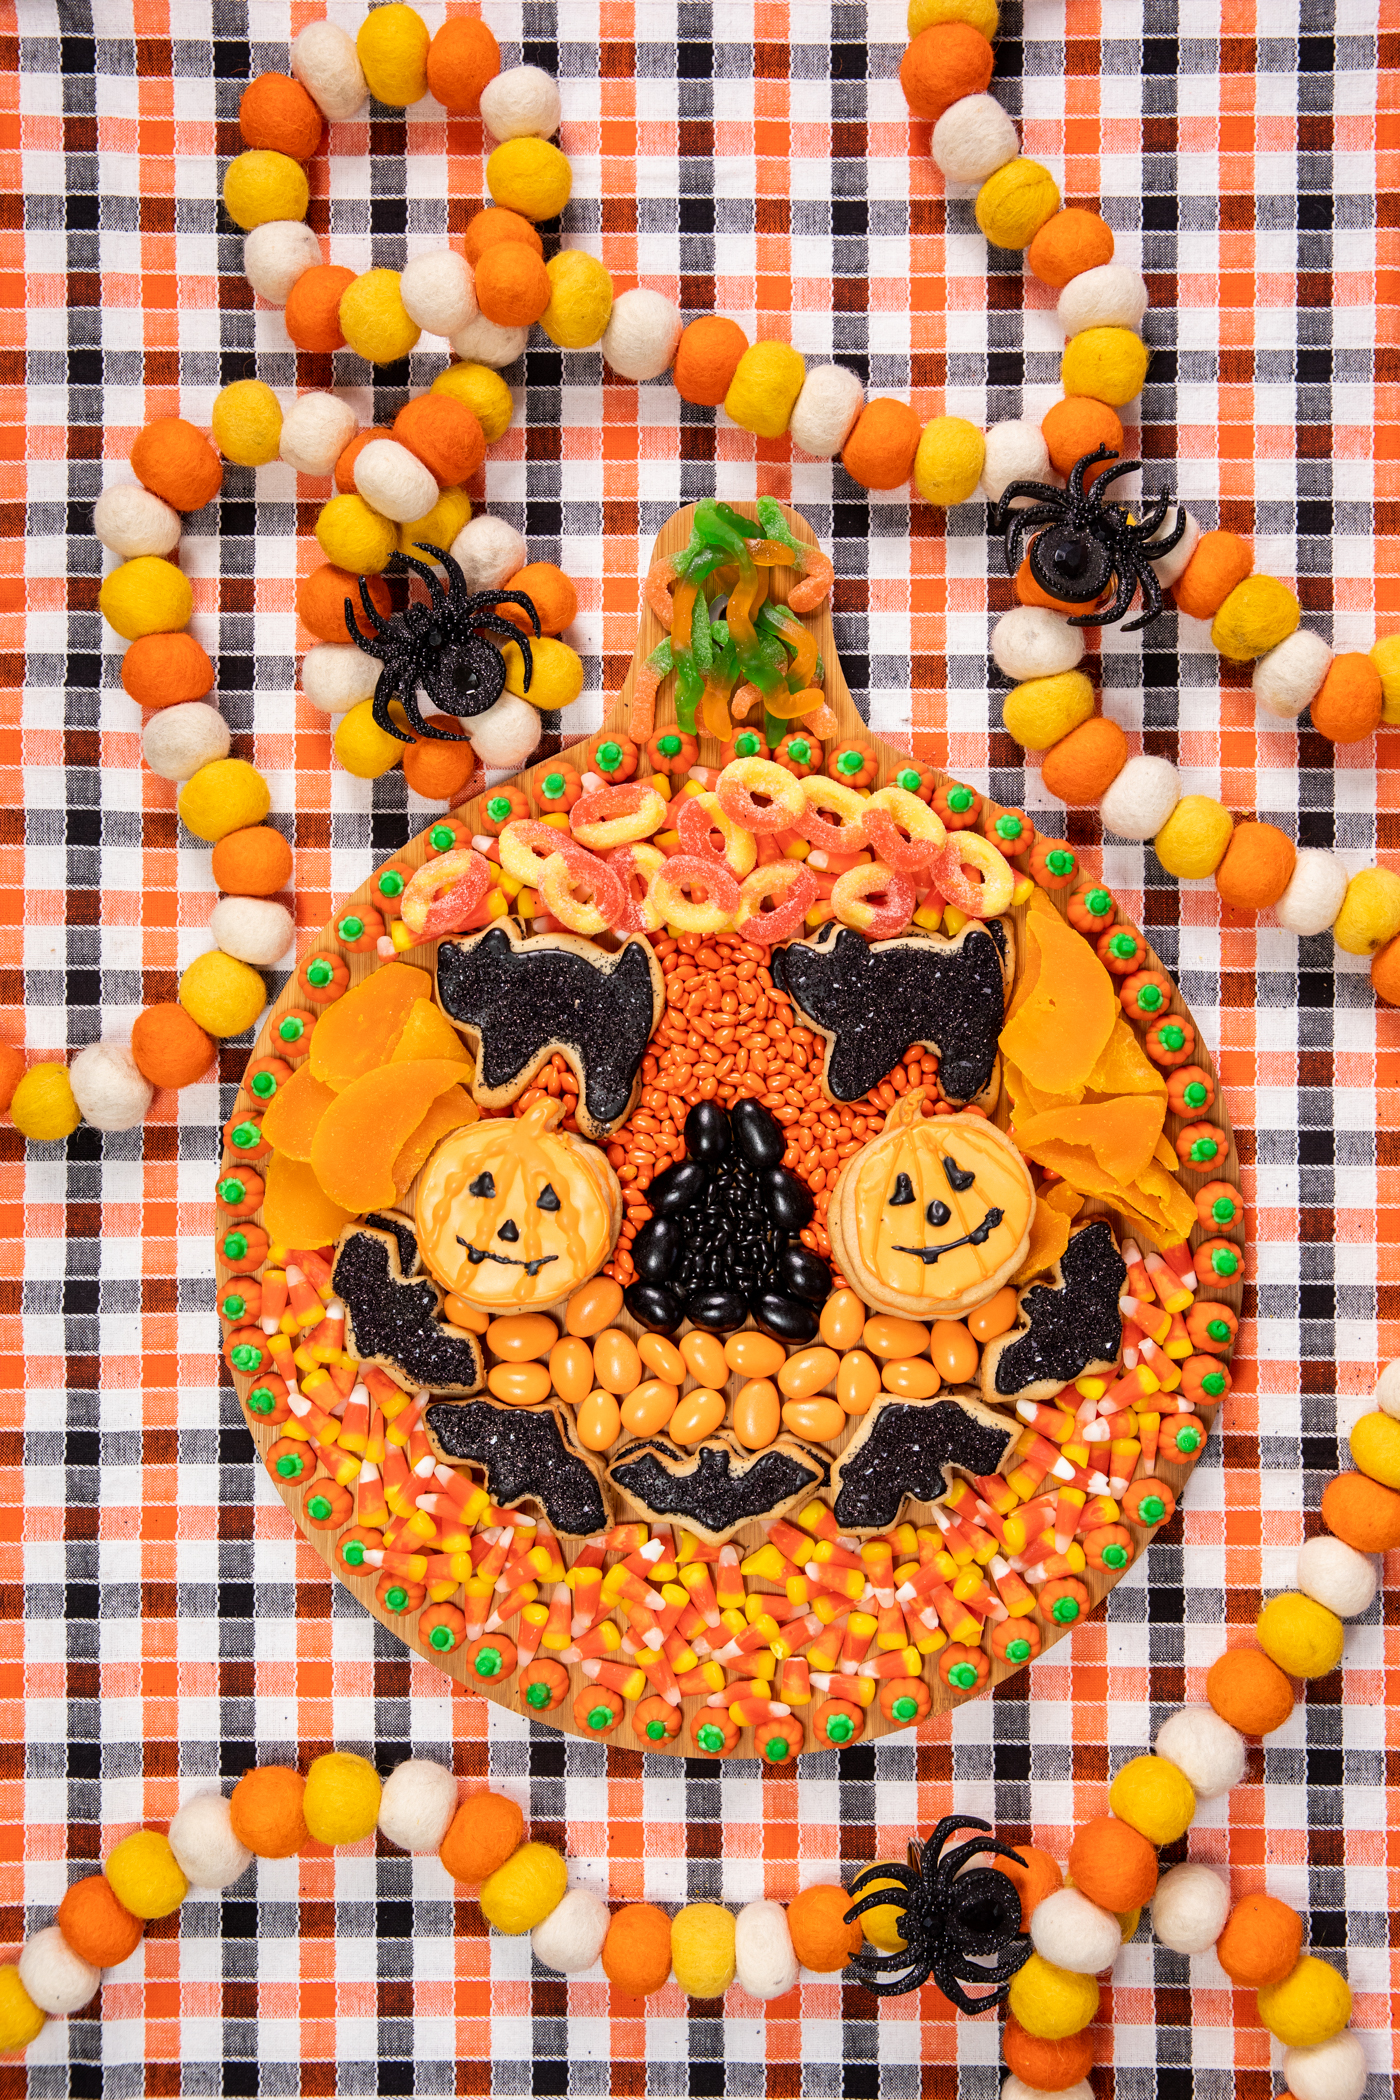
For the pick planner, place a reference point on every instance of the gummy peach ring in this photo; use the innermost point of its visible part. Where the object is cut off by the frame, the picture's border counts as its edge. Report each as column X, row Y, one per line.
column 617, row 816
column 793, row 888
column 820, row 795
column 892, row 812
column 687, row 871
column 633, row 864
column 526, row 845
column 745, row 778
column 701, row 816
column 571, row 869
column 851, row 894
column 443, row 894
column 980, row 900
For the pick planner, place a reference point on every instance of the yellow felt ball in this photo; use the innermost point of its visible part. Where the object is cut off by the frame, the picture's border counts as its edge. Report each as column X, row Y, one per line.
column 439, row 528
column 980, row 14
column 145, row 596
column 1191, row 844
column 1043, row 710
column 392, row 43
column 580, row 300
column 529, row 176
column 1375, row 1448
column 1370, row 913
column 223, row 995
column 341, row 1801
column 226, row 795
column 702, row 1949
column 362, row 747
column 1259, row 613
column 247, row 423
column 145, row 1875
column 354, row 537
column 1108, row 364
column 261, row 186
column 521, row 1894
column 1385, row 655
column 373, row 318
column 42, row 1105
column 21, row 2021
column 763, row 392
column 1052, row 2003
column 558, row 673
column 948, row 464
column 1013, row 205
column 1154, row 1797
column 481, row 390
column 1311, row 2004
column 1302, row 1636
column 881, row 1925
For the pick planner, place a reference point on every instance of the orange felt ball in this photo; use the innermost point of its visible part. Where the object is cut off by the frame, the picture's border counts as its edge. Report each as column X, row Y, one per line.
column 444, row 434
column 880, row 450
column 1356, row 1510
column 345, row 469
column 1385, row 973
column 265, row 1810
column 169, row 1048
column 1070, row 243
column 1049, row 2067
column 1034, row 1875
column 462, row 57
column 944, row 63
column 321, row 600
column 96, row 1926
column 512, row 285
column 161, row 670
column 1249, row 1691
column 821, row 1938
column 437, row 771
column 707, row 357
column 482, row 1835
column 496, row 225
column 637, row 1951
column 177, row 463
column 1221, row 560
column 312, row 312
column 254, row 862
column 1083, row 766
column 1113, row 1864
column 1261, row 1942
column 1077, row 426
column 11, row 1072
column 551, row 593
column 1257, row 868
column 1348, row 707
column 278, row 115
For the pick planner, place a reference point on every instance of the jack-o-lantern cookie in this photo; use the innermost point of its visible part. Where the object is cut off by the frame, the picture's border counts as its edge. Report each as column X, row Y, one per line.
column 515, row 1212
column 932, row 1217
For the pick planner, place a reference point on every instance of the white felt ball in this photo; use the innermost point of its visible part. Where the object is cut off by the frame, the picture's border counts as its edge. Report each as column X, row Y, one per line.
column 1314, row 894
column 58, row 1980
column 178, row 740
column 325, row 61
column 1386, row 1395
column 202, row 1838
column 107, row 1087
column 1334, row 2070
column 831, row 399
column 1113, row 296
column 1015, row 452
column 253, row 929
column 489, row 552
column 1014, row 2088
column 504, row 737
column 131, row 521
column 764, row 1963
column 640, row 339
column 1032, row 642
column 1190, row 1908
column 1208, row 1750
column 418, row 1803
column 336, row 676
column 276, row 254
column 521, row 103
column 1073, row 1933
column 439, row 291
column 394, row 481
column 571, row 1937
column 973, row 138
column 484, row 342
column 1141, row 798
column 315, row 431
column 1290, row 677
column 1169, row 566
column 1331, row 1573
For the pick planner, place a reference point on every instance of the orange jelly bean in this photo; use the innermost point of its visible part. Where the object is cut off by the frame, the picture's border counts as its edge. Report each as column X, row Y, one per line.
column 912, row 1377
column 662, row 1357
column 465, row 1316
column 757, row 1414
column 754, row 1355
column 599, row 1422
column 955, row 1355
column 857, row 1381
column 887, row 1335
column 649, row 1407
column 698, row 1416
column 818, row 1420
column 594, row 1306
column 616, row 1364
column 807, row 1372
column 704, row 1359
column 524, row 1385
column 842, row 1320
column 521, row 1337
column 994, row 1317
column 571, row 1368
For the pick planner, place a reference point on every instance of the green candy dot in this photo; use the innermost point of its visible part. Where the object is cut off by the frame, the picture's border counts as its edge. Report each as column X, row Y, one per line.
column 908, row 780
column 262, row 1400
column 1171, row 1037
column 441, row 837
column 246, row 1136
column 537, row 1694
column 289, row 1466
column 230, row 1190
column 1098, row 904
column 1213, row 1383
column 1059, row 862
column 746, row 745
column 850, row 761
column 291, row 1030
column 1115, row 1557
column 1149, row 998
column 904, row 1709
column 600, row 1717
column 800, row 750
column 1008, row 827
column 396, row 1598
column 440, row 1638
column 1196, row 1095
column 840, row 1728
column 318, row 1508
column 234, row 1306
column 1152, row 1509
column 1204, row 1151
column 1218, row 1330
column 350, row 927
column 319, row 973
column 247, row 1357
column 235, row 1246
column 353, row 1555
column 960, row 799
column 656, row 1730
column 1122, row 945
column 1223, row 1210
column 963, row 1675
column 1188, row 1441
column 1018, row 1651
column 669, row 745
column 708, row 1737
column 391, row 883
column 553, row 786
column 608, row 757
column 1064, row 1611
column 1224, row 1261
column 488, row 1662
column 264, row 1085
column 776, row 1749
column 498, row 808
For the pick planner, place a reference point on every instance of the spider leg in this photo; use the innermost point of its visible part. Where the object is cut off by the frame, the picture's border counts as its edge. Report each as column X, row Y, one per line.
column 948, row 1983
column 1143, row 528
column 1151, row 600
column 492, row 623
column 527, row 604
column 379, row 626
column 1038, row 491
column 953, row 1862
column 868, row 1959
column 1007, row 1964
column 383, row 694
column 1125, row 590
column 1074, row 487
column 1023, row 522
column 1124, row 466
column 1173, row 538
column 917, row 1976
column 430, row 578
column 943, row 1830
column 907, row 1885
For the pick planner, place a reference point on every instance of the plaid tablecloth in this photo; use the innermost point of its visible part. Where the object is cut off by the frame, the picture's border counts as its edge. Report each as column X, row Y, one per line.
column 161, row 1626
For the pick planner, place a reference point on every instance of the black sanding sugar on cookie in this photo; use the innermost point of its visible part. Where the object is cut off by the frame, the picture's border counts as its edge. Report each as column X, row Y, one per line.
column 903, row 1447
column 406, row 1238
column 396, row 1323
column 525, row 1457
column 718, row 1486
column 1074, row 1326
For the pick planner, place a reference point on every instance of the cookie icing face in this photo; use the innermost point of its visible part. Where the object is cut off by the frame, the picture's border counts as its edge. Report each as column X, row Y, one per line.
column 935, row 1212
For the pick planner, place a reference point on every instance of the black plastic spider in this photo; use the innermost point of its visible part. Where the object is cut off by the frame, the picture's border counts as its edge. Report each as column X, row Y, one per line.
column 439, row 647
column 962, row 1925
column 1090, row 544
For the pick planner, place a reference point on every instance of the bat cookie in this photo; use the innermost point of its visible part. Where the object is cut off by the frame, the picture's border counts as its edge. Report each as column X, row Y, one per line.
column 528, row 1454
column 516, row 999
column 1066, row 1327
column 718, row 1485
column 397, row 1321
column 902, row 1450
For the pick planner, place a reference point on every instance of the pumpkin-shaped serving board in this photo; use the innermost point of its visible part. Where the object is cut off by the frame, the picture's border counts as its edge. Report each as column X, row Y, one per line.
column 674, row 535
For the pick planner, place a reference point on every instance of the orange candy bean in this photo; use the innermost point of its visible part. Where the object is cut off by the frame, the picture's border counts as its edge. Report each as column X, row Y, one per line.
column 699, row 1415
column 662, row 1357
column 704, row 1359
column 807, row 1372
column 571, row 1369
column 994, row 1317
column 954, row 1353
column 819, row 1420
column 842, row 1320
column 616, row 1364
column 521, row 1337
column 912, row 1377
column 594, row 1306
column 857, row 1381
column 757, row 1414
column 523, row 1385
column 649, row 1407
column 599, row 1422
column 754, row 1355
column 887, row 1335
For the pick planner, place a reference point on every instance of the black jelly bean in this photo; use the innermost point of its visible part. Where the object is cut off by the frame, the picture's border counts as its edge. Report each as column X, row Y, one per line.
column 788, row 1319
column 655, row 1249
column 717, row 1310
column 789, row 1201
column 680, row 1186
column 805, row 1274
column 759, row 1135
column 707, row 1135
column 653, row 1307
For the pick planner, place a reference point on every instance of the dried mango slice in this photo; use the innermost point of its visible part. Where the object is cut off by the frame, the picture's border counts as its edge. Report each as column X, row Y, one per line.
column 359, row 1140
column 451, row 1111
column 1124, row 1067
column 359, row 1032
column 429, row 1033
column 1060, row 1196
column 294, row 1112
column 1163, row 1208
column 1059, row 1032
column 1049, row 1239
column 1119, row 1135
column 296, row 1210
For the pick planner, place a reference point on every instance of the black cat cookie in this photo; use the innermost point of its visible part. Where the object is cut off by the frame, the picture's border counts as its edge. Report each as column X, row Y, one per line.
column 527, row 1454
column 903, row 1449
column 1064, row 1328
column 395, row 1319
column 717, row 1485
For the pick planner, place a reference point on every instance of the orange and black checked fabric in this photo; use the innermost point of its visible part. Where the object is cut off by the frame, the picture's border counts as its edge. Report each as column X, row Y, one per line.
column 161, row 1628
